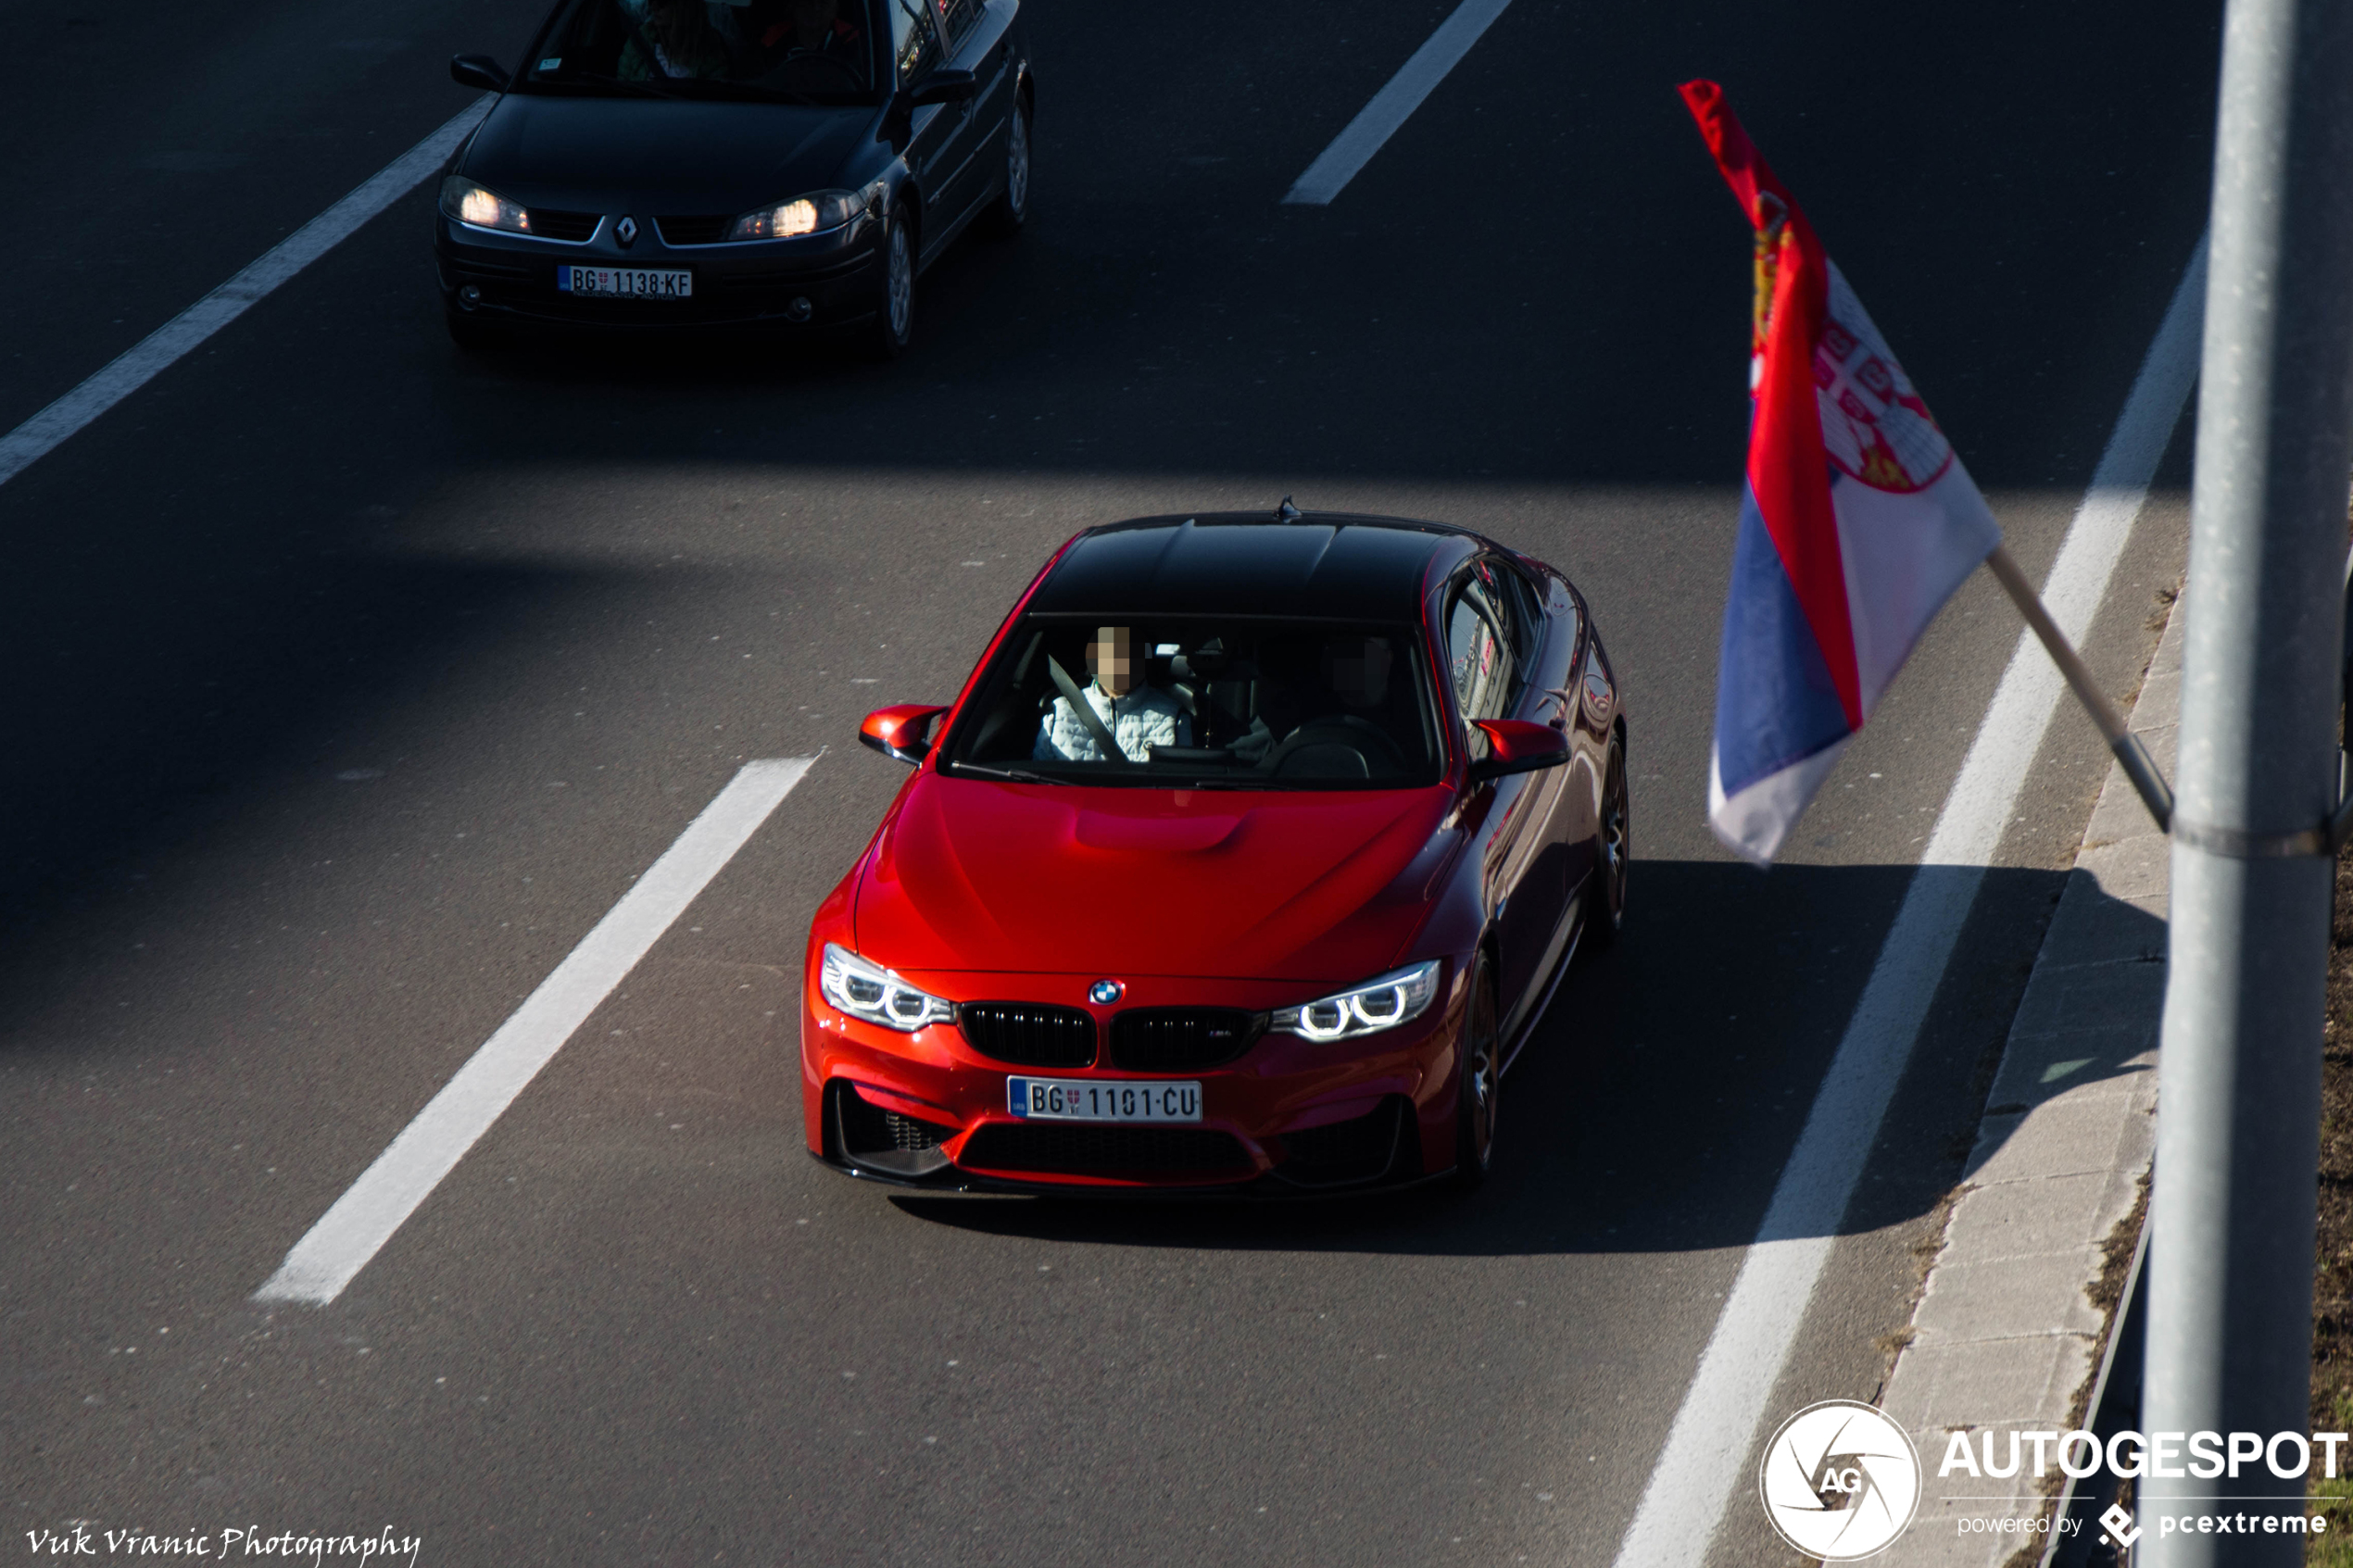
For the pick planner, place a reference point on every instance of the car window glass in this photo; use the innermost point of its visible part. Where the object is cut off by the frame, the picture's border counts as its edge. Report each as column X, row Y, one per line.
column 1478, row 657
column 914, row 42
column 1523, row 610
column 961, row 16
column 814, row 51
column 1556, row 599
column 1257, row 704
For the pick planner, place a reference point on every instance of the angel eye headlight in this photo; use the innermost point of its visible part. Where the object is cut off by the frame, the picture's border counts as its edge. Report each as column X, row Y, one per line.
column 1381, row 1003
column 868, row 991
column 482, row 207
column 811, row 214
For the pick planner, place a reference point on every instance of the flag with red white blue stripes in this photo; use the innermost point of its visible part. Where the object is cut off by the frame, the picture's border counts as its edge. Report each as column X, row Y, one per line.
column 1857, row 521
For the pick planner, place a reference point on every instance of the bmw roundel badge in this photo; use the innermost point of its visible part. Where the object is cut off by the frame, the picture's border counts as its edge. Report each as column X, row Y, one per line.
column 625, row 230
column 1103, row 993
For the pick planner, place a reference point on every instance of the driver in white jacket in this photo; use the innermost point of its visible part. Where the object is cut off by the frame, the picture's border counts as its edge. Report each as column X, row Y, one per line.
column 1138, row 716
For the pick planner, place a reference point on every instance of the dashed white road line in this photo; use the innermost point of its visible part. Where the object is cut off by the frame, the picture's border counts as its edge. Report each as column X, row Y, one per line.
column 380, row 1202
column 155, row 353
column 1394, row 103
column 1717, row 1424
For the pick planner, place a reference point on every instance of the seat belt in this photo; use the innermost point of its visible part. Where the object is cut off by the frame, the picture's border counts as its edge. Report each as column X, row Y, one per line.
column 1087, row 714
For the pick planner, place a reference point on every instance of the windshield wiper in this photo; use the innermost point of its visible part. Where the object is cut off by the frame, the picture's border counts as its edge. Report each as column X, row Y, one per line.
column 759, row 90
column 1019, row 776
column 602, row 80
column 686, row 88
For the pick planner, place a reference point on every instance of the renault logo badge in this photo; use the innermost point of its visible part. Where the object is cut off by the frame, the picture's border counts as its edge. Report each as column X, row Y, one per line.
column 625, row 230
column 1103, row 993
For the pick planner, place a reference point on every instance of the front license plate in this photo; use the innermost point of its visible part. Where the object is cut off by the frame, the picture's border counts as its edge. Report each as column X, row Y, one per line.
column 626, row 282
column 1069, row 1100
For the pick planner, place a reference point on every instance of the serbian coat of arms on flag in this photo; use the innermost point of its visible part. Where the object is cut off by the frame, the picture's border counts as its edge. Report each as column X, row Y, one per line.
column 1857, row 521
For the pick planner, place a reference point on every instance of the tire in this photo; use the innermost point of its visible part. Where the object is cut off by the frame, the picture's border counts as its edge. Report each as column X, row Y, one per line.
column 893, row 327
column 1613, row 851
column 1011, row 209
column 1477, row 1080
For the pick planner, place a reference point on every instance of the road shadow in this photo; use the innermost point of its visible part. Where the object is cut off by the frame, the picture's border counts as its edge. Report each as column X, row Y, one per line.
column 170, row 689
column 1668, row 1083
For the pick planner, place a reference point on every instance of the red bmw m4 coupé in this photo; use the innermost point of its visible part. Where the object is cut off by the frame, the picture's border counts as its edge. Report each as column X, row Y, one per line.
column 1245, row 862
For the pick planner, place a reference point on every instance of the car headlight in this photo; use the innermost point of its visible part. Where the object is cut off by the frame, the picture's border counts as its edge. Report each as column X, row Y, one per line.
column 1382, row 1003
column 482, row 207
column 804, row 215
column 871, row 991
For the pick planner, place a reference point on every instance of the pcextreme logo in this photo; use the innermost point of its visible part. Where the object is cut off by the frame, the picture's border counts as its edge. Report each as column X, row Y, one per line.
column 1839, row 1481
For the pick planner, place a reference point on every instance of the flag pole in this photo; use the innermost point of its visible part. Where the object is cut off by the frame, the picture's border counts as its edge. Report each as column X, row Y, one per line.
column 2138, row 765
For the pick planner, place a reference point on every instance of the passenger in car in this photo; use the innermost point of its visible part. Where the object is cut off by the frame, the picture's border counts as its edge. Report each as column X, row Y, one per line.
column 684, row 43
column 1135, row 715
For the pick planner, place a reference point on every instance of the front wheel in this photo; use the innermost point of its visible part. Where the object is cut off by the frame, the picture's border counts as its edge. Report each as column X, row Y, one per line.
column 894, row 322
column 1477, row 1079
column 1011, row 209
column 1613, row 851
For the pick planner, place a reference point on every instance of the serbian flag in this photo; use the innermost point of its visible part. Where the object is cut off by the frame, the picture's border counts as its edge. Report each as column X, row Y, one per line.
column 1857, row 521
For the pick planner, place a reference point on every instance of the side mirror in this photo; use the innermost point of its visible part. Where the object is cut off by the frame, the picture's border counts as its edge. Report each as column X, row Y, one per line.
column 1515, row 745
column 478, row 70
column 903, row 733
column 943, row 86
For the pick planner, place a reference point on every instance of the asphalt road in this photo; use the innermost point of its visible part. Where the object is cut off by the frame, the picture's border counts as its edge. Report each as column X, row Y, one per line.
column 352, row 679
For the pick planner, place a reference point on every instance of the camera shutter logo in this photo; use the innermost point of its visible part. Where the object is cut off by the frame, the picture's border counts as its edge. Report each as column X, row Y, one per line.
column 1839, row 1481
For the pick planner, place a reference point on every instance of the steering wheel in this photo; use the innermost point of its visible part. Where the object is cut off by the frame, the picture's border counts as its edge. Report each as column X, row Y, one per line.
column 1339, row 729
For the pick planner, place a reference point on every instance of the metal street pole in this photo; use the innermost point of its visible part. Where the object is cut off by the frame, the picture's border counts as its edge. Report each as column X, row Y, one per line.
column 2239, row 1106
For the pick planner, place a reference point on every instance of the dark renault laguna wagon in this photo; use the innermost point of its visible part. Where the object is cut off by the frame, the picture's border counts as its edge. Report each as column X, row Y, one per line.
column 708, row 164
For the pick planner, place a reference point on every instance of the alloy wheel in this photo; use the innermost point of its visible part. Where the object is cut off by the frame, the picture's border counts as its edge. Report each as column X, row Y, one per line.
column 1615, row 837
column 1475, row 1108
column 1017, row 166
column 899, row 287
column 1615, row 843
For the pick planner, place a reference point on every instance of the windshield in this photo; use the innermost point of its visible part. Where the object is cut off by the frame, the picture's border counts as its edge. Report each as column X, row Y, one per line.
column 793, row 51
column 1203, row 703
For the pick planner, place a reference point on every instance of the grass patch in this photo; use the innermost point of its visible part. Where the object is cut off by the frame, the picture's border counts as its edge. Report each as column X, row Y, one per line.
column 2333, row 1499
column 2332, row 1406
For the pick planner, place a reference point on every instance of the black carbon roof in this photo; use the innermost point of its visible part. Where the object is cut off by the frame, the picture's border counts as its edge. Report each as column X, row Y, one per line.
column 1333, row 564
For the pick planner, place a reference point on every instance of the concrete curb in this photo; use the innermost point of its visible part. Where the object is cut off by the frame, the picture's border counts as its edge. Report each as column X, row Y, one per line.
column 2006, row 1336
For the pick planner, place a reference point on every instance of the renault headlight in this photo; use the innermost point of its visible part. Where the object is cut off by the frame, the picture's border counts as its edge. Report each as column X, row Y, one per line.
column 1383, row 1003
column 804, row 215
column 869, row 991
column 482, row 207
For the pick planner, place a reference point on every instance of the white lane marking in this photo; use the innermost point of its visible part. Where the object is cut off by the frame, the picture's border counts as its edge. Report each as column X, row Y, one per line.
column 1378, row 120
column 364, row 1217
column 140, row 364
column 1717, row 1424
